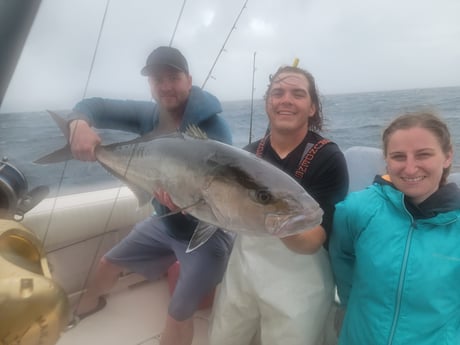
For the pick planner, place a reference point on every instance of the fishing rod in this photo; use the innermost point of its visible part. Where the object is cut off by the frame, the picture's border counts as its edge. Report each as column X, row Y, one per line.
column 74, row 320
column 177, row 23
column 96, row 48
column 252, row 97
column 61, row 179
column 225, row 42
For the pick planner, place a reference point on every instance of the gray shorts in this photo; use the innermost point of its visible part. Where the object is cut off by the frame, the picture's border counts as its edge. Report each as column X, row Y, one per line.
column 150, row 251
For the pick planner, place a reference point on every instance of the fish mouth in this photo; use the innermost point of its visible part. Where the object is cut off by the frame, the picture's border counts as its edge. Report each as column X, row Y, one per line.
column 290, row 225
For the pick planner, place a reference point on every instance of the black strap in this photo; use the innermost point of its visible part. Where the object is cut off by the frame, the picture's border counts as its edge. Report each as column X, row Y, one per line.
column 307, row 157
column 260, row 147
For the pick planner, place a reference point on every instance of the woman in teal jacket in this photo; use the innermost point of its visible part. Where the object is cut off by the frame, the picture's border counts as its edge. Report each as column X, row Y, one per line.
column 395, row 246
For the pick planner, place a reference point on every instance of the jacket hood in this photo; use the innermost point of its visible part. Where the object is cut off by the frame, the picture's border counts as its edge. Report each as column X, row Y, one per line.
column 201, row 105
column 445, row 199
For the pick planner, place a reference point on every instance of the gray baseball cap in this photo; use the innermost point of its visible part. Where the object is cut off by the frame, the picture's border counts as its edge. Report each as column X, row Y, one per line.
column 165, row 56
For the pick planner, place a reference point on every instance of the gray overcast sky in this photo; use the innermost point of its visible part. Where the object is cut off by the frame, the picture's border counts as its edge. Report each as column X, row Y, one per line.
column 349, row 46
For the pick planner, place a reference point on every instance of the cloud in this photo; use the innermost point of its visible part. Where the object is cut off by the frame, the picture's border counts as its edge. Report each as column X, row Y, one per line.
column 348, row 46
column 259, row 27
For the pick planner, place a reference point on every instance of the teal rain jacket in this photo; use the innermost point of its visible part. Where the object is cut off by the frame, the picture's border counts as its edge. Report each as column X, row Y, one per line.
column 397, row 267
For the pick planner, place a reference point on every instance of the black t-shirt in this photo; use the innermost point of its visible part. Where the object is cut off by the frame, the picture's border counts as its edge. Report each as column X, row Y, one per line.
column 326, row 178
column 178, row 225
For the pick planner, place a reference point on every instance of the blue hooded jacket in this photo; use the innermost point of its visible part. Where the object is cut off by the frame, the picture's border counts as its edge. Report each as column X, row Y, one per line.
column 142, row 117
column 397, row 267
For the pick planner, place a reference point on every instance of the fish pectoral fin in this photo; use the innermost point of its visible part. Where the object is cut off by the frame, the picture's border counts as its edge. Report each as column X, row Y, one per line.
column 203, row 232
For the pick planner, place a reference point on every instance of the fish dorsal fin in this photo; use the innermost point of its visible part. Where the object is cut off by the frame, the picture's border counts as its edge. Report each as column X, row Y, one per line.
column 195, row 132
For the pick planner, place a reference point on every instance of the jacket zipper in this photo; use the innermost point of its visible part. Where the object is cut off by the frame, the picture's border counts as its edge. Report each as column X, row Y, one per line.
column 402, row 275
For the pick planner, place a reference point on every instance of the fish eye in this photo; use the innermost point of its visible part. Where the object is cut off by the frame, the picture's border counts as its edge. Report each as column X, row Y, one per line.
column 263, row 196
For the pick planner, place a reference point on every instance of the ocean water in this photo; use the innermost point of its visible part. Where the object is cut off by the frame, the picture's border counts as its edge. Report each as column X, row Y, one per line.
column 350, row 120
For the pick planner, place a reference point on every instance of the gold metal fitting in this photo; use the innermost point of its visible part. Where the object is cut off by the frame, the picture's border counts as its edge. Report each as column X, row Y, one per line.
column 34, row 309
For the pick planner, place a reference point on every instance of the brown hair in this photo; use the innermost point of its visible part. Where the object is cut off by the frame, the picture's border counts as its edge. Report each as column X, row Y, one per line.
column 428, row 120
column 316, row 121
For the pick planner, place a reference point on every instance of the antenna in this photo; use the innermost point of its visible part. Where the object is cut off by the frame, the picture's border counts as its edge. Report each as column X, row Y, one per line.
column 252, row 97
column 95, row 49
column 225, row 42
column 177, row 23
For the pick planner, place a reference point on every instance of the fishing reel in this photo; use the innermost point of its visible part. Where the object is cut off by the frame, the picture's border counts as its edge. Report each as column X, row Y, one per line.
column 15, row 199
column 34, row 309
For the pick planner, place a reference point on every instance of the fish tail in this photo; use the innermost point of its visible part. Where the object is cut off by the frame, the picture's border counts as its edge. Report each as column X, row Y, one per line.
column 64, row 153
column 61, row 122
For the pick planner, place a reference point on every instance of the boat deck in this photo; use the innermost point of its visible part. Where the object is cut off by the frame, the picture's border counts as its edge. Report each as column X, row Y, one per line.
column 132, row 316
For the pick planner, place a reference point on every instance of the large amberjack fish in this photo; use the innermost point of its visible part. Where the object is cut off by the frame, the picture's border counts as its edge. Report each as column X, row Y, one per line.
column 221, row 185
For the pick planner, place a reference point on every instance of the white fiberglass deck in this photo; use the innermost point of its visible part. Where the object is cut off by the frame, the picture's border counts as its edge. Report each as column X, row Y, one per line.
column 132, row 316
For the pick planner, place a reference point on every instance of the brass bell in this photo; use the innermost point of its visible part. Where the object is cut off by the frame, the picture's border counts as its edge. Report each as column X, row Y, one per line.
column 33, row 308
